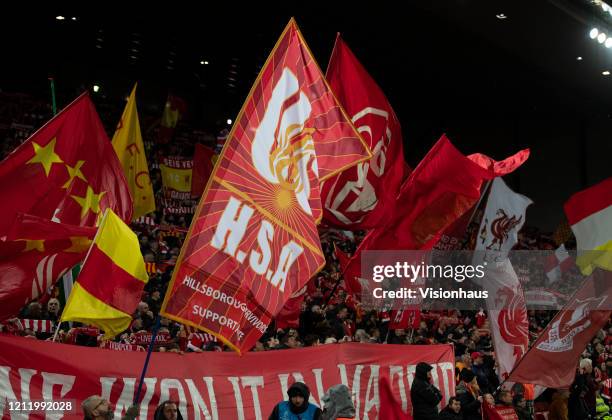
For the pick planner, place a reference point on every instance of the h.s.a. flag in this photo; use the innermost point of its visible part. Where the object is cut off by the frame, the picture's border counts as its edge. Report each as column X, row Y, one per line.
column 364, row 195
column 589, row 213
column 129, row 147
column 552, row 360
column 253, row 241
column 111, row 280
column 66, row 171
column 34, row 256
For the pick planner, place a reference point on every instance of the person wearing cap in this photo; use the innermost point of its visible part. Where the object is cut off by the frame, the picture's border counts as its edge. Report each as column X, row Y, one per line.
column 424, row 395
column 468, row 393
column 479, row 369
column 297, row 407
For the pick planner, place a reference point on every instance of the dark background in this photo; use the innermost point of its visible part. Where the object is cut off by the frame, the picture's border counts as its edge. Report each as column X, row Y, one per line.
column 447, row 66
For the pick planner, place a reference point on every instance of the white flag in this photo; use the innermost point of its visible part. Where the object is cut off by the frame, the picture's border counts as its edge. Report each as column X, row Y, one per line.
column 503, row 218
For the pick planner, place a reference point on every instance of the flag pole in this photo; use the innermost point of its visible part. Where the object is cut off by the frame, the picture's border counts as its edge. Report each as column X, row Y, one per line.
column 59, row 324
column 146, row 364
column 53, row 103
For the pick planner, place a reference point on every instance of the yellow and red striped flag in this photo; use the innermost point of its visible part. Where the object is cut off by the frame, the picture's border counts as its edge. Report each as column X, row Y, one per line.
column 589, row 213
column 111, row 281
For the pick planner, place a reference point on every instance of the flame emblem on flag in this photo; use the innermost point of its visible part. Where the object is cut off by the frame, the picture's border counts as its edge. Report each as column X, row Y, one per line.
column 283, row 151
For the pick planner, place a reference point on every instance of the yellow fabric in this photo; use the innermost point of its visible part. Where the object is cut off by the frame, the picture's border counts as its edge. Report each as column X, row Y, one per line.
column 170, row 116
column 120, row 244
column 600, row 257
column 176, row 179
column 129, row 148
column 84, row 307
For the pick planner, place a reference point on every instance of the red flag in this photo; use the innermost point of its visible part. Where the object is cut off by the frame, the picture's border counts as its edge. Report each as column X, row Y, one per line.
column 35, row 254
column 253, row 241
column 390, row 407
column 67, row 171
column 202, row 168
column 498, row 412
column 289, row 316
column 552, row 360
column 363, row 196
column 174, row 109
column 444, row 186
column 405, row 318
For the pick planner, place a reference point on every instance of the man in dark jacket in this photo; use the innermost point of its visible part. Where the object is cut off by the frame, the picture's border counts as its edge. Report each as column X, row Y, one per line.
column 297, row 407
column 468, row 393
column 425, row 397
column 452, row 411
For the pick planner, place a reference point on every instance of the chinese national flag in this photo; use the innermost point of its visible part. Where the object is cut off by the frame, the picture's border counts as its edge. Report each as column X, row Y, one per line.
column 363, row 196
column 36, row 253
column 553, row 358
column 67, row 171
column 253, row 241
column 129, row 147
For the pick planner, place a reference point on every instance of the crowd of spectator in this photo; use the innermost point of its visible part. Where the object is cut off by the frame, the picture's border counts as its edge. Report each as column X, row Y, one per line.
column 329, row 314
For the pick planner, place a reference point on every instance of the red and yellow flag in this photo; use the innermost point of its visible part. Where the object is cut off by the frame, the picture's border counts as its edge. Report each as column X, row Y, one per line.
column 253, row 241
column 111, row 281
column 129, row 147
column 66, row 171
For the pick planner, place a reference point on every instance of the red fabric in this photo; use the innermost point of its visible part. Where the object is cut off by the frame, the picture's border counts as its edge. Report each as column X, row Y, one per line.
column 202, row 168
column 74, row 138
column 403, row 319
column 444, row 186
column 498, row 412
column 27, row 275
column 268, row 171
column 552, row 360
column 363, row 196
column 289, row 316
column 250, row 384
column 118, row 289
column 589, row 201
column 390, row 408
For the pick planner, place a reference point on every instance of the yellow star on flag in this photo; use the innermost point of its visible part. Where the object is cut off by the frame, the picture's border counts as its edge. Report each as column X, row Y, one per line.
column 74, row 172
column 91, row 201
column 34, row 245
column 78, row 244
column 45, row 155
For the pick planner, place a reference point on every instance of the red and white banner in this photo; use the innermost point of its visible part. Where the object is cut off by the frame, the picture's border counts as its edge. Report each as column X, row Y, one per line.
column 214, row 385
column 362, row 197
column 254, row 241
column 143, row 338
column 553, row 358
column 557, row 264
column 503, row 217
column 113, row 345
